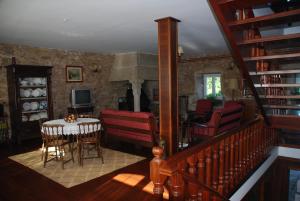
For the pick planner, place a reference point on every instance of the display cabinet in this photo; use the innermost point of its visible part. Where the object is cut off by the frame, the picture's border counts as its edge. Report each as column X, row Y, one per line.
column 29, row 89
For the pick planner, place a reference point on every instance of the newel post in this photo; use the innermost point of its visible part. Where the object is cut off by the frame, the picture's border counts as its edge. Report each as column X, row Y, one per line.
column 155, row 176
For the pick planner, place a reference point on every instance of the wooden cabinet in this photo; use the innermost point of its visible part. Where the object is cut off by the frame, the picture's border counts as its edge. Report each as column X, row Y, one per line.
column 29, row 89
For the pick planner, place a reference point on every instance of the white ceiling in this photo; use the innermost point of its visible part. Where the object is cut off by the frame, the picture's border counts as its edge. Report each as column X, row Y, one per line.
column 108, row 25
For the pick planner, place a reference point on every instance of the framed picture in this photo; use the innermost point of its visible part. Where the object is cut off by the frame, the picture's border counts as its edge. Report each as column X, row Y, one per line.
column 74, row 74
column 294, row 184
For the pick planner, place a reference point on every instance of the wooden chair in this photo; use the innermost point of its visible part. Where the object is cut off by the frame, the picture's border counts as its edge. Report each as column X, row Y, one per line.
column 41, row 121
column 89, row 134
column 53, row 136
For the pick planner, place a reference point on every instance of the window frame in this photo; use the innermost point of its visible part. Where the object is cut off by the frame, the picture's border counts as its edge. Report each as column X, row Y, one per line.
column 213, row 75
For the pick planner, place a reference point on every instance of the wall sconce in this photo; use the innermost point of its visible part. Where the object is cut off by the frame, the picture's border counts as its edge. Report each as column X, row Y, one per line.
column 96, row 68
column 179, row 53
column 233, row 85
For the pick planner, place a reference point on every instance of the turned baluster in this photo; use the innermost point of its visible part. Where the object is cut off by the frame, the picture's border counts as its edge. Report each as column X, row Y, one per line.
column 192, row 188
column 208, row 171
column 256, row 141
column 261, row 136
column 243, row 156
column 177, row 183
column 232, row 163
column 236, row 158
column 226, row 165
column 157, row 179
column 215, row 175
column 247, row 154
column 247, row 150
column 251, row 146
column 201, row 173
column 221, row 167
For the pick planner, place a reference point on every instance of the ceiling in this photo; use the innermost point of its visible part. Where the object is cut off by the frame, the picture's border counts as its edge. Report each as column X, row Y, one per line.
column 108, row 26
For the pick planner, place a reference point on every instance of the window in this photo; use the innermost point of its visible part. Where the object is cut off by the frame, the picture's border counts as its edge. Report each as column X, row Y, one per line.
column 212, row 85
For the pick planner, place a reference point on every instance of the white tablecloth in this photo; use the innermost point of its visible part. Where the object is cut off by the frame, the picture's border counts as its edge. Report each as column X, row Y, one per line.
column 71, row 128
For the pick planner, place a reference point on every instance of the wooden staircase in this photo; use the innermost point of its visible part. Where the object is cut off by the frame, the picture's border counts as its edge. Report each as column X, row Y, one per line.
column 264, row 38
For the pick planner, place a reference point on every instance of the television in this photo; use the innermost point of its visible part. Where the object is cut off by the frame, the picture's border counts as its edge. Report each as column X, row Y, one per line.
column 81, row 98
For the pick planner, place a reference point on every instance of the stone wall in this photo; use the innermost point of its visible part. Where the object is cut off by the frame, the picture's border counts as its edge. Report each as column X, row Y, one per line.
column 96, row 70
column 190, row 68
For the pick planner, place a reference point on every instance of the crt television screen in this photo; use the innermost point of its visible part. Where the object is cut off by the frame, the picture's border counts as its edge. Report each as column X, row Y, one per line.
column 83, row 97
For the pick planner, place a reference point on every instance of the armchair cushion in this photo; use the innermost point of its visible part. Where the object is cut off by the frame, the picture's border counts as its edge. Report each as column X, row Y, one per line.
column 222, row 120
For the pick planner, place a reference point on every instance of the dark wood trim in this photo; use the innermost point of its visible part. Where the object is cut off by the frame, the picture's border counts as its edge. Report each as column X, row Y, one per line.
column 269, row 57
column 168, row 82
column 275, row 72
column 277, row 85
column 269, row 39
column 267, row 20
column 280, row 97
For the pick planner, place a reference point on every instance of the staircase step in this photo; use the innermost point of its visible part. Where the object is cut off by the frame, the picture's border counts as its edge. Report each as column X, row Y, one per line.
column 270, row 57
column 267, row 20
column 280, row 97
column 275, row 72
column 277, row 85
column 290, row 107
column 244, row 4
column 285, row 121
column 269, row 39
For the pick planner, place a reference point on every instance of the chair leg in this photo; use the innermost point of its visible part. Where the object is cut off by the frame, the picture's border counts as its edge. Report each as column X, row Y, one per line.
column 99, row 151
column 79, row 153
column 46, row 156
column 43, row 147
column 71, row 150
column 61, row 156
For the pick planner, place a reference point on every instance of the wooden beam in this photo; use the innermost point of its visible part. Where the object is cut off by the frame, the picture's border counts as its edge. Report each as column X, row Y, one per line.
column 168, row 84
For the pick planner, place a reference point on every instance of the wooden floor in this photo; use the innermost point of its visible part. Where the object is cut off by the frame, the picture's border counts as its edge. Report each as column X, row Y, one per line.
column 19, row 183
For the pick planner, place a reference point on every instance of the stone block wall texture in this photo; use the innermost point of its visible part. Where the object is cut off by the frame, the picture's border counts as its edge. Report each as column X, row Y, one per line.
column 96, row 70
column 204, row 65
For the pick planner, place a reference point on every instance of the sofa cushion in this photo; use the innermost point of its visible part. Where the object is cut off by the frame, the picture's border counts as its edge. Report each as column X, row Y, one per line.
column 130, row 126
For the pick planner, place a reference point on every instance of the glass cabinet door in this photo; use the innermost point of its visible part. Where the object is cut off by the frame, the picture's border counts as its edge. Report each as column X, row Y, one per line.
column 33, row 98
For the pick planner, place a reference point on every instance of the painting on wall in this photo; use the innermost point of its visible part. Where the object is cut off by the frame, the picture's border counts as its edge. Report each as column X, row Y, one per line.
column 294, row 185
column 74, row 74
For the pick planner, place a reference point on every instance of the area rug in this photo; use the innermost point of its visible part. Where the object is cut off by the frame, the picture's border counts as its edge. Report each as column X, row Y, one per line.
column 73, row 174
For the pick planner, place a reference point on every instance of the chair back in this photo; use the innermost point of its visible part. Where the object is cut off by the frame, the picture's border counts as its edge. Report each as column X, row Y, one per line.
column 52, row 133
column 89, row 130
column 86, row 116
column 204, row 107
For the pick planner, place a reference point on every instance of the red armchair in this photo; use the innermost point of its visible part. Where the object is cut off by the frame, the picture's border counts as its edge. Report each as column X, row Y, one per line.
column 222, row 120
column 203, row 111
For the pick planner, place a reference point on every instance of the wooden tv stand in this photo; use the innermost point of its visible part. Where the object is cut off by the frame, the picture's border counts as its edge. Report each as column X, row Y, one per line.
column 81, row 110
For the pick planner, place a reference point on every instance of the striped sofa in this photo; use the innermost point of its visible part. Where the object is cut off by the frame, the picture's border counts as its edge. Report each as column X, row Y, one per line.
column 133, row 127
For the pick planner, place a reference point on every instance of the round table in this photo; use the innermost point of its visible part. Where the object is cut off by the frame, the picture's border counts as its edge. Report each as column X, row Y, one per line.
column 72, row 128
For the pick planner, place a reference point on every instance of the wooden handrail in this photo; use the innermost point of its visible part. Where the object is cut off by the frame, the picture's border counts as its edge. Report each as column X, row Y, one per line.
column 172, row 162
column 219, row 163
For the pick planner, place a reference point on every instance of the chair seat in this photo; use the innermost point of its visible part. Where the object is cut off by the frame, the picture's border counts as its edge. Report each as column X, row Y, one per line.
column 57, row 142
column 89, row 140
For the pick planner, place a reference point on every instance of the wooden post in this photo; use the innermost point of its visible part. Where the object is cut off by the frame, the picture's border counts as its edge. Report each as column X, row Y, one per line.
column 168, row 84
column 157, row 179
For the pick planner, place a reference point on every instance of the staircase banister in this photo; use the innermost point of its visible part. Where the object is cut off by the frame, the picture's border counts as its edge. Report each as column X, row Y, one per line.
column 170, row 166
